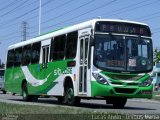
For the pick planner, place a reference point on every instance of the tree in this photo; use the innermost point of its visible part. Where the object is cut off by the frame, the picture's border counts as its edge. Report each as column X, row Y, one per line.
column 156, row 55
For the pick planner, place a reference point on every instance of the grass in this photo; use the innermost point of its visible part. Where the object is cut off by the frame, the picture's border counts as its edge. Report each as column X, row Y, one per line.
column 36, row 112
column 7, row 108
column 14, row 111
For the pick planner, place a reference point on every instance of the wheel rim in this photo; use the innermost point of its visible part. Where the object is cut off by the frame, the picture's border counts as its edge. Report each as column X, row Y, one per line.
column 70, row 94
column 24, row 94
column 24, row 90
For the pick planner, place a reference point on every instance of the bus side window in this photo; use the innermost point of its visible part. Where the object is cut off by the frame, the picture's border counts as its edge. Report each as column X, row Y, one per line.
column 51, row 51
column 26, row 55
column 58, row 47
column 35, row 52
column 10, row 58
column 71, row 47
column 18, row 57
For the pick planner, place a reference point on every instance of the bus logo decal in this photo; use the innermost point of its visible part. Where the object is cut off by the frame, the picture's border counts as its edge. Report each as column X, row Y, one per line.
column 31, row 79
column 59, row 71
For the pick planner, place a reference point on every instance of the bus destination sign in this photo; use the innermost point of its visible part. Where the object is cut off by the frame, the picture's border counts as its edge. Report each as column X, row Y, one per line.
column 123, row 28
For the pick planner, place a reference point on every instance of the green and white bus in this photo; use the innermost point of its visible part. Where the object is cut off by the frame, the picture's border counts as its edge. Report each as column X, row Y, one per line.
column 98, row 59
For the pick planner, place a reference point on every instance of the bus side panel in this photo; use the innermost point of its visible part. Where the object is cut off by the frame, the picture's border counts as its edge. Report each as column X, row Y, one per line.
column 13, row 80
column 34, row 87
column 53, row 82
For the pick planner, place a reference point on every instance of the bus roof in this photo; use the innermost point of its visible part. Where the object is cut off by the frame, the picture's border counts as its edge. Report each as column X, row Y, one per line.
column 65, row 30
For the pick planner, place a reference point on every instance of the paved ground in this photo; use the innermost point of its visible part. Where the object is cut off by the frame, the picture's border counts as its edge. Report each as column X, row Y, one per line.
column 133, row 106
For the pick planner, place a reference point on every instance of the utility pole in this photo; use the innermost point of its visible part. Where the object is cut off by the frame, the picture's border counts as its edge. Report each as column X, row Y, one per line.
column 24, row 30
column 40, row 9
column 0, row 63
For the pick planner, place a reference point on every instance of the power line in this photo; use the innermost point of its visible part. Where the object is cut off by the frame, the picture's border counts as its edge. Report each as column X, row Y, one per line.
column 12, row 10
column 18, row 17
column 9, row 5
column 105, row 13
column 61, row 5
column 64, row 12
column 37, row 15
column 31, row 18
column 119, row 11
column 97, row 8
column 141, row 2
column 72, row 10
column 19, row 22
column 132, row 8
column 138, row 3
column 51, row 10
column 139, row 18
column 112, row 11
column 92, row 10
column 23, row 5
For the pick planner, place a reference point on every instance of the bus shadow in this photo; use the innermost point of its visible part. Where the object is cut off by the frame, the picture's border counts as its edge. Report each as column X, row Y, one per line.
column 107, row 106
column 84, row 104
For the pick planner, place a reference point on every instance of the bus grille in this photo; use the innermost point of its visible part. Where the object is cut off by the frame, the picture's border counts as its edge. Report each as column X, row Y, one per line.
column 125, row 90
column 120, row 83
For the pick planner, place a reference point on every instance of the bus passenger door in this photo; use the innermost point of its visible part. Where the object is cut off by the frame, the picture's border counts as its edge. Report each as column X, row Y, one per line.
column 45, row 58
column 84, row 45
column 44, row 72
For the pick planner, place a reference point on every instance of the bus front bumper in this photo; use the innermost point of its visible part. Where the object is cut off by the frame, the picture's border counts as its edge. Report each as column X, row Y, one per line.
column 121, row 91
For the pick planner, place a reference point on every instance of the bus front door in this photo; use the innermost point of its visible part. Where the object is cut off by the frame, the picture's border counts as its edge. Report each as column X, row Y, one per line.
column 84, row 45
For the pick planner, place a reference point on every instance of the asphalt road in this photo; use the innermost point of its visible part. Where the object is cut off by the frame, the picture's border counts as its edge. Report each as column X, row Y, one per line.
column 133, row 106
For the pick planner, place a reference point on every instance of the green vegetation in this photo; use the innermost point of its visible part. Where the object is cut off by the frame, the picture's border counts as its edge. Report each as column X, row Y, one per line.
column 37, row 112
column 7, row 108
column 156, row 55
column 14, row 111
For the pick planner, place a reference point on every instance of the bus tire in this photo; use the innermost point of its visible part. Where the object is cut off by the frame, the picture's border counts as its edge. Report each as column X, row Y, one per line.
column 119, row 103
column 25, row 95
column 34, row 98
column 4, row 92
column 69, row 97
column 60, row 99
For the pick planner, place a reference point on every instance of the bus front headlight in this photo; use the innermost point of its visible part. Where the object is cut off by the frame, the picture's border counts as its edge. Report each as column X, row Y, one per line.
column 147, row 82
column 100, row 79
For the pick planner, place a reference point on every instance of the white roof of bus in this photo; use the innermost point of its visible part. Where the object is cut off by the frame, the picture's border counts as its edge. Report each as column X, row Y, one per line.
column 86, row 24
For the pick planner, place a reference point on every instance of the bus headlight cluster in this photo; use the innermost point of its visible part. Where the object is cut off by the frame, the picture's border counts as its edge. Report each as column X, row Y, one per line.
column 147, row 82
column 100, row 79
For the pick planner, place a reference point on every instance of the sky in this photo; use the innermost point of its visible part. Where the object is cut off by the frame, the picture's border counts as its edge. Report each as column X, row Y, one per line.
column 61, row 13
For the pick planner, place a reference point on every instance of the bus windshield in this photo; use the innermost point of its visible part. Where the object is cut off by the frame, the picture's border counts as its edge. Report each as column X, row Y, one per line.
column 122, row 53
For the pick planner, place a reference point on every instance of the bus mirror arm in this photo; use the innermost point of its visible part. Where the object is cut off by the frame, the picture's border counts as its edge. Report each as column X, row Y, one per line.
column 91, row 40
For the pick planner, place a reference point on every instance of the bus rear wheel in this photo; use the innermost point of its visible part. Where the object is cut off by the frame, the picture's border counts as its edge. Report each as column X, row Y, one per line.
column 4, row 92
column 25, row 95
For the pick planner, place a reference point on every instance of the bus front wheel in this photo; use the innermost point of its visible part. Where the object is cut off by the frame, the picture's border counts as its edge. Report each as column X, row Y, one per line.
column 69, row 97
